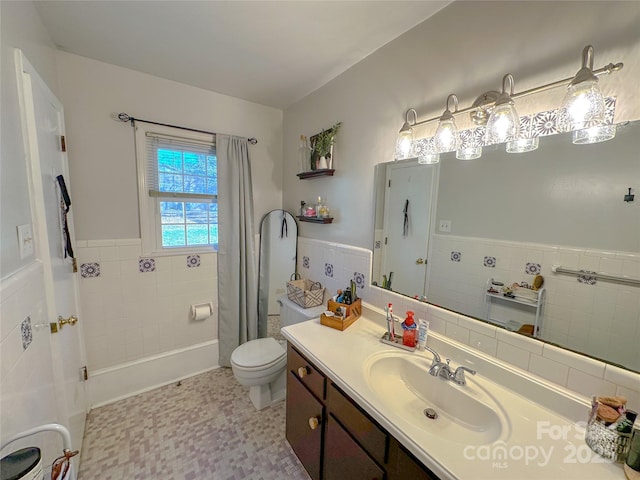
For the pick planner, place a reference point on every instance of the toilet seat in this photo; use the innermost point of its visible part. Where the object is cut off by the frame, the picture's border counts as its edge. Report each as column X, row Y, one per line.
column 259, row 354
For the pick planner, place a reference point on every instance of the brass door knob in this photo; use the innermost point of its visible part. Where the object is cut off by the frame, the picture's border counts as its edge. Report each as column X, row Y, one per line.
column 420, row 261
column 72, row 320
column 314, row 423
column 303, row 372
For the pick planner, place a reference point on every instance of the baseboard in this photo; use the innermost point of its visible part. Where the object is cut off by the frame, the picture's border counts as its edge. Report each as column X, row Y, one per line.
column 111, row 384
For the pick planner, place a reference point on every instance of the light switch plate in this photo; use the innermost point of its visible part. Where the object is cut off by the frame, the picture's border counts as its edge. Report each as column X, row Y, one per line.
column 25, row 240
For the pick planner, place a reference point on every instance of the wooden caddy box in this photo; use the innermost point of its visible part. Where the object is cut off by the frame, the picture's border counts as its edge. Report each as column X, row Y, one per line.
column 353, row 313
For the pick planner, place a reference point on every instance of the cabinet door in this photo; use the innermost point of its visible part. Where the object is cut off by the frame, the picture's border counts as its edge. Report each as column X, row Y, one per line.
column 409, row 467
column 305, row 417
column 343, row 457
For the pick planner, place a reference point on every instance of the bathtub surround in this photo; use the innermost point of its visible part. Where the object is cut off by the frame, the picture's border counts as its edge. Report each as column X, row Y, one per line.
column 583, row 375
column 136, row 317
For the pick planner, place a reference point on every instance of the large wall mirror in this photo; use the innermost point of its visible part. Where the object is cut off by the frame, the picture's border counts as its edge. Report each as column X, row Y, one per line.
column 444, row 232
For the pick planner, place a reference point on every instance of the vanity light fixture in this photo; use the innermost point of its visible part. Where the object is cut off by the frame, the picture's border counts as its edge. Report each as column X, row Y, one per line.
column 447, row 137
column 428, row 155
column 503, row 124
column 406, row 142
column 577, row 114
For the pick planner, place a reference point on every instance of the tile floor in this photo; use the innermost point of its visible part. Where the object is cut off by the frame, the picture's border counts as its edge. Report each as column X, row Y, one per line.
column 204, row 429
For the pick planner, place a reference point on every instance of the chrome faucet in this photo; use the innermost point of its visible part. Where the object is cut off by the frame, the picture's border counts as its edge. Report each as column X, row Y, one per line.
column 440, row 369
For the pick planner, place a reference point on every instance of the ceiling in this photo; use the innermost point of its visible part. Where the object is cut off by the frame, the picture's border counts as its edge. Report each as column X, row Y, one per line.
column 269, row 52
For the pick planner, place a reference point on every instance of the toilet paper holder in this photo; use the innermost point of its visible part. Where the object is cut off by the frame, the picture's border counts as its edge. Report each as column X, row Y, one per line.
column 201, row 311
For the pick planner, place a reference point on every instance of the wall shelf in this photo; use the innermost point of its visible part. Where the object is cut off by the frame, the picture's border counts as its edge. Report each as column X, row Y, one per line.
column 315, row 219
column 324, row 172
column 535, row 301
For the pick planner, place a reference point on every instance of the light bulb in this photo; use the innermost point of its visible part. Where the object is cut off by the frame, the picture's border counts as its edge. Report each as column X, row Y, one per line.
column 504, row 123
column 447, row 138
column 582, row 107
column 404, row 145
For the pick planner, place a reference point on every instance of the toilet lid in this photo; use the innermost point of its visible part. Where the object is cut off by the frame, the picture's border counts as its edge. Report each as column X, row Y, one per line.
column 255, row 353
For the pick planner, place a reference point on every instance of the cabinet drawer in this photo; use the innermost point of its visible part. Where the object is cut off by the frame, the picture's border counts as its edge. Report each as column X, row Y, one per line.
column 372, row 437
column 344, row 459
column 305, row 417
column 309, row 375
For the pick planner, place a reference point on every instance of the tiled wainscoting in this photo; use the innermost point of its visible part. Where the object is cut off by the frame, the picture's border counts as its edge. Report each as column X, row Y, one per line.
column 136, row 314
column 582, row 313
column 26, row 376
column 577, row 373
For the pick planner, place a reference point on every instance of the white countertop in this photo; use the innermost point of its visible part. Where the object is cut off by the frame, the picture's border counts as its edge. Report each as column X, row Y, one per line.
column 537, row 443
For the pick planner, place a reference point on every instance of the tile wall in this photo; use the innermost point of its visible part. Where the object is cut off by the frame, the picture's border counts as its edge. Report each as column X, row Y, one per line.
column 26, row 376
column 578, row 373
column 137, row 306
column 581, row 313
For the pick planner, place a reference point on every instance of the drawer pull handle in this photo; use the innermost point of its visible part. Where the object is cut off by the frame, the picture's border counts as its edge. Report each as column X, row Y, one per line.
column 303, row 372
column 314, row 423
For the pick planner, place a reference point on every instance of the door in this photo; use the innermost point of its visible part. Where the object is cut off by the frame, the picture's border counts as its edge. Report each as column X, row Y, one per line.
column 43, row 126
column 408, row 206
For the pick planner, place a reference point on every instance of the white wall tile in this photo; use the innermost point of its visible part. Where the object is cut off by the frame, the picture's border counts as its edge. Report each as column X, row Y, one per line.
column 488, row 345
column 513, row 355
column 622, row 377
column 573, row 360
column 548, row 369
column 519, row 341
column 589, row 385
column 458, row 333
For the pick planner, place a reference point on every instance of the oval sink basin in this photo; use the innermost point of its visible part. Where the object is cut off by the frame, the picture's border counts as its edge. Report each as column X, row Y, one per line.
column 467, row 414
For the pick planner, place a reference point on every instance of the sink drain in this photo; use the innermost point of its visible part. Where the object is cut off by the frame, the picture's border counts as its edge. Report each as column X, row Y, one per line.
column 430, row 413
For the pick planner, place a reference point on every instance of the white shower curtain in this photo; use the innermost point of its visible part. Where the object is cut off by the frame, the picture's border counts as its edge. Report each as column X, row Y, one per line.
column 237, row 272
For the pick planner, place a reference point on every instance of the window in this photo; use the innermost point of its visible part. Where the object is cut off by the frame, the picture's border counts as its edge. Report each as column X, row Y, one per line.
column 178, row 189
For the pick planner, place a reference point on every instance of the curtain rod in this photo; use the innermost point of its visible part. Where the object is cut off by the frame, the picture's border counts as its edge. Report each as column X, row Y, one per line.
column 123, row 117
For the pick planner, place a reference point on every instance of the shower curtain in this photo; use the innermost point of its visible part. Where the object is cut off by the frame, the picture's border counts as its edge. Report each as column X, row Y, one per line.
column 237, row 272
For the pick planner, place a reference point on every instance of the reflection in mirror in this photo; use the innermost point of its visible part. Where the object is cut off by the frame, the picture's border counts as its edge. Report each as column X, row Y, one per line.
column 510, row 217
column 278, row 244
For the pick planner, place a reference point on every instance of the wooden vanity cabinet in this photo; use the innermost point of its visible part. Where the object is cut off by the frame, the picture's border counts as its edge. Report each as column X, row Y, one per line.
column 334, row 438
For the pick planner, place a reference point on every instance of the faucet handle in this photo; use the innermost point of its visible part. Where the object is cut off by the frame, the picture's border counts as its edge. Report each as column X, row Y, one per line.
column 458, row 375
column 448, row 360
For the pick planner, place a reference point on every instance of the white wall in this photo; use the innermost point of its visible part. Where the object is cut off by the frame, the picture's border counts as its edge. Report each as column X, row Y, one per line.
column 27, row 396
column 465, row 49
column 136, row 320
column 101, row 150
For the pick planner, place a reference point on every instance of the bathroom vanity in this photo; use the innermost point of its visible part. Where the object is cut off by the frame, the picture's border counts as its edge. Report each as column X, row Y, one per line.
column 333, row 437
column 355, row 410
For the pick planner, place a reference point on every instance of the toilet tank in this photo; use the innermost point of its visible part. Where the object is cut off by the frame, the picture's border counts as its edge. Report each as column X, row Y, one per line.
column 291, row 313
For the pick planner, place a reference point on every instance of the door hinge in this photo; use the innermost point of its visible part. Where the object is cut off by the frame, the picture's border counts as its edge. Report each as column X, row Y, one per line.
column 85, row 373
column 63, row 144
column 53, row 326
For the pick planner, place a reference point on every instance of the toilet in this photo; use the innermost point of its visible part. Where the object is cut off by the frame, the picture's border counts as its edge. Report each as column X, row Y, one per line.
column 261, row 364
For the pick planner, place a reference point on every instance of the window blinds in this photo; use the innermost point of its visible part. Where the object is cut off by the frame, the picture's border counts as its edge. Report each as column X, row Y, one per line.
column 181, row 167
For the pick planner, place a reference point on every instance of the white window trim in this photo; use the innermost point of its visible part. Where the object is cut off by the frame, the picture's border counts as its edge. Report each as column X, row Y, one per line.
column 150, row 232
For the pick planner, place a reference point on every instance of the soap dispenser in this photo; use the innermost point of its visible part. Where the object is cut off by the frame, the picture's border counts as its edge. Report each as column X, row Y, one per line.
column 409, row 330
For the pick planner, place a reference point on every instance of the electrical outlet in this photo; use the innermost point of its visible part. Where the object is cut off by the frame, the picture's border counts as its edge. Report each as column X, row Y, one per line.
column 25, row 240
column 445, row 226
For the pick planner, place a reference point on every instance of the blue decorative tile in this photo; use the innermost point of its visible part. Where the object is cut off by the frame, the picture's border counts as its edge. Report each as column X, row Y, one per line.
column 328, row 270
column 358, row 279
column 26, row 332
column 532, row 269
column 490, row 262
column 147, row 265
column 305, row 262
column 90, row 270
column 193, row 261
column 456, row 256
column 587, row 278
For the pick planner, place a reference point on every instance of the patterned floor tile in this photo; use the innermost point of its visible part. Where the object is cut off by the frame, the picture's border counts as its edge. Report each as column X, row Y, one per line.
column 206, row 428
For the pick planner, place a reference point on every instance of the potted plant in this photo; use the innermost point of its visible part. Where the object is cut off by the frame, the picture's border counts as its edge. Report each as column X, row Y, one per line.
column 322, row 145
